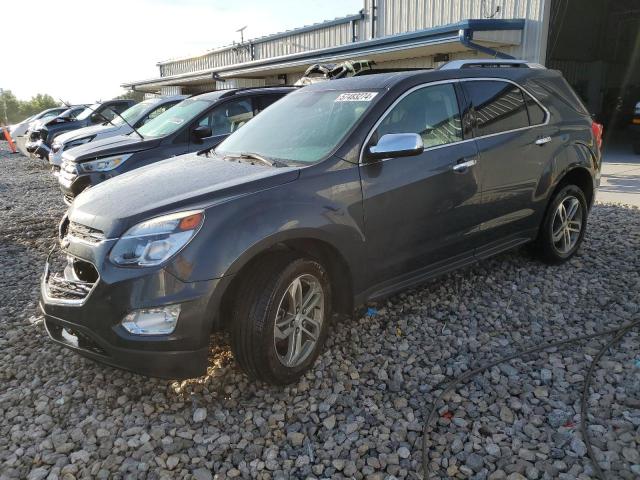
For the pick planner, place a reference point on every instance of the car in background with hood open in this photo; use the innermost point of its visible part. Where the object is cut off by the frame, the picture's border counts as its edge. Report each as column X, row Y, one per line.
column 19, row 130
column 134, row 117
column 196, row 124
column 41, row 139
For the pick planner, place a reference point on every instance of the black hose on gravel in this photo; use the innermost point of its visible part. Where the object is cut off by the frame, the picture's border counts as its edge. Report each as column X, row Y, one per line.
column 618, row 334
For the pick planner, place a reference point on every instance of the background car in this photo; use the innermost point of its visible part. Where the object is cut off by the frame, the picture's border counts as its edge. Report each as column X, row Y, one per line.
column 135, row 116
column 634, row 128
column 18, row 130
column 41, row 139
column 195, row 124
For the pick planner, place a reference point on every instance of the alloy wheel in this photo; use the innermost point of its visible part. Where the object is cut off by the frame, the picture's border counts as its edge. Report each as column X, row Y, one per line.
column 567, row 225
column 299, row 320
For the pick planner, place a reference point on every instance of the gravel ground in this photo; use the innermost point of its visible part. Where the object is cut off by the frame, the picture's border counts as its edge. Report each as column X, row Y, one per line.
column 359, row 412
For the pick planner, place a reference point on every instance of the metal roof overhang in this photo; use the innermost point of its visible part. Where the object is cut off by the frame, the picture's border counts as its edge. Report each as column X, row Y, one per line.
column 445, row 39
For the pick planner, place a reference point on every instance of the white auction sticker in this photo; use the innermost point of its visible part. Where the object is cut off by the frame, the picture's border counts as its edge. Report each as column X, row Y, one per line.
column 356, row 97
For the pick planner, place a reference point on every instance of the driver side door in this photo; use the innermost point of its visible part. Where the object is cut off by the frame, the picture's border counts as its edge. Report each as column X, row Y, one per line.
column 420, row 212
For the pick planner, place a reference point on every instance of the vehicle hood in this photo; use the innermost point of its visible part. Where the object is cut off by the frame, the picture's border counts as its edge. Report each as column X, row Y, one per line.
column 105, row 147
column 86, row 132
column 57, row 128
column 178, row 183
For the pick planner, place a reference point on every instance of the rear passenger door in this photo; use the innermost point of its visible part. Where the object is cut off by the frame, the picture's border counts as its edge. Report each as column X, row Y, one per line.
column 514, row 146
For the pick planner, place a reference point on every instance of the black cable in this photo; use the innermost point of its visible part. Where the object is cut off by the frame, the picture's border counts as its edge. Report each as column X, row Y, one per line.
column 618, row 333
column 585, row 395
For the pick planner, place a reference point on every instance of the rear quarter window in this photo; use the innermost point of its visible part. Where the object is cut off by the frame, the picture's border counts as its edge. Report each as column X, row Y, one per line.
column 554, row 89
column 537, row 115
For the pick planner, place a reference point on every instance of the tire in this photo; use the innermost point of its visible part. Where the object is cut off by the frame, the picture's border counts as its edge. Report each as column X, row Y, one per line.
column 556, row 248
column 266, row 295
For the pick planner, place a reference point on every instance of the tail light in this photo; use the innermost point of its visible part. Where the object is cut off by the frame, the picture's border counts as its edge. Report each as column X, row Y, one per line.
column 597, row 130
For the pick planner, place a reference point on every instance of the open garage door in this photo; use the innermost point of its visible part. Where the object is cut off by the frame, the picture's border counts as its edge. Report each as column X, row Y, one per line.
column 596, row 44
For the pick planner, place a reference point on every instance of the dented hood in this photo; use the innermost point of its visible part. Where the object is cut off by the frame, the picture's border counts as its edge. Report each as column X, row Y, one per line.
column 178, row 183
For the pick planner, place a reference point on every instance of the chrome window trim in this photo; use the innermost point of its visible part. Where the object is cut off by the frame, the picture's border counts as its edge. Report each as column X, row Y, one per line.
column 453, row 81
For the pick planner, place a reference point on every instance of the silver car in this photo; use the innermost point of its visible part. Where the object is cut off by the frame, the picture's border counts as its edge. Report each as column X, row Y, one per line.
column 18, row 131
column 136, row 116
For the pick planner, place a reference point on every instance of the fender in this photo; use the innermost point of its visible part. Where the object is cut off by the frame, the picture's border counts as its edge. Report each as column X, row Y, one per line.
column 327, row 208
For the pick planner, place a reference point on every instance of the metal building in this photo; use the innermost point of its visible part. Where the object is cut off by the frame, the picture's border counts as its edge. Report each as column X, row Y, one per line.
column 594, row 42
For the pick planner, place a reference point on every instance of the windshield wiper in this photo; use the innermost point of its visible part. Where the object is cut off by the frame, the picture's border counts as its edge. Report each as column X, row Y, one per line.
column 255, row 156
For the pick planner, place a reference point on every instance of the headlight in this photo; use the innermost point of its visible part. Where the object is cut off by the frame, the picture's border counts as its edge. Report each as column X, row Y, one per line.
column 104, row 164
column 79, row 141
column 154, row 241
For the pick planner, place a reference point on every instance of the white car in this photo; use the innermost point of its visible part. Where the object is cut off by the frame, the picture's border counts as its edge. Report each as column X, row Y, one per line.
column 18, row 130
column 137, row 115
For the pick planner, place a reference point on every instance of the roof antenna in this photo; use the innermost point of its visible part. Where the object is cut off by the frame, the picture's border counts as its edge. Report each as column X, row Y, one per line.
column 241, row 31
column 484, row 14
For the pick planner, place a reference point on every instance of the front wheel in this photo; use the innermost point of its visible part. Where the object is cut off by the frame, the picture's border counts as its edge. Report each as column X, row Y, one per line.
column 280, row 319
column 564, row 225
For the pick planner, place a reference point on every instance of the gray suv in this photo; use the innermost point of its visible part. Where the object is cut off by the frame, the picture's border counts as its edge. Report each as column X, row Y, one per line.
column 340, row 193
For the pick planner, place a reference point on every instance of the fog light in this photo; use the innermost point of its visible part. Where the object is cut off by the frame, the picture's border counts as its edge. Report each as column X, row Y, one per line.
column 152, row 321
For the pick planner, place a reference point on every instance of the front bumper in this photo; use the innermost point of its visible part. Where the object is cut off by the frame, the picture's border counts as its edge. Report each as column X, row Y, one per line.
column 39, row 148
column 85, row 316
column 55, row 157
column 73, row 183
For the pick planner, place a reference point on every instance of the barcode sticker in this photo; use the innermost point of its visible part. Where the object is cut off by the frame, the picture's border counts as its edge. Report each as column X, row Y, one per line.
column 356, row 97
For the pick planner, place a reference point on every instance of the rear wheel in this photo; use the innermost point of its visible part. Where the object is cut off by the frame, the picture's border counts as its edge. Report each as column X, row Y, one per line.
column 280, row 319
column 564, row 226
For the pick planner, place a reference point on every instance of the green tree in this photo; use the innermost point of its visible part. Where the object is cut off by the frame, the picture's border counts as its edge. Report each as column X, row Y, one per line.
column 13, row 110
column 131, row 95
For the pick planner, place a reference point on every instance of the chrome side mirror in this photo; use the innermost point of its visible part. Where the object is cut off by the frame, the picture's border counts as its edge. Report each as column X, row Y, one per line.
column 396, row 145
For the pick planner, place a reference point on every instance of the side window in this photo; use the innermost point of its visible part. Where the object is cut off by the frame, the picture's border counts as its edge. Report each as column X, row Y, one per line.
column 228, row 117
column 102, row 114
column 154, row 113
column 120, row 107
column 263, row 101
column 431, row 112
column 498, row 106
column 536, row 114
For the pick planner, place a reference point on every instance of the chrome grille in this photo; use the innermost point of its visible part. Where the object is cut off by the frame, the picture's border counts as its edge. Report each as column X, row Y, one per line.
column 67, row 279
column 85, row 233
column 59, row 287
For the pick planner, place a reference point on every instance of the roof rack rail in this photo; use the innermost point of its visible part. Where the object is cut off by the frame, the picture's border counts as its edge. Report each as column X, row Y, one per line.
column 375, row 71
column 489, row 63
column 229, row 92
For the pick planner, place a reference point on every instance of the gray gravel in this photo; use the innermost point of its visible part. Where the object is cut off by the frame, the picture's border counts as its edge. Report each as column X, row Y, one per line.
column 359, row 412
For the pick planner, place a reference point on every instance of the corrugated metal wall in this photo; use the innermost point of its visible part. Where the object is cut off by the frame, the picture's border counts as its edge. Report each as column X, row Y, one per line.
column 399, row 16
column 392, row 17
column 321, row 38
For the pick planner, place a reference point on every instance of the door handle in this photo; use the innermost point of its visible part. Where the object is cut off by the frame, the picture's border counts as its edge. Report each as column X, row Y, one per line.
column 463, row 164
column 542, row 140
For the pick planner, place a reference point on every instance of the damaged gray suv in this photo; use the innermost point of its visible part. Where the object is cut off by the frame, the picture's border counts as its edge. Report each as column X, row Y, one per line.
column 340, row 193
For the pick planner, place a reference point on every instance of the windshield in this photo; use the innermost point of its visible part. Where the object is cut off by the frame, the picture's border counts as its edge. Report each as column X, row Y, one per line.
column 86, row 113
column 174, row 118
column 51, row 113
column 132, row 115
column 314, row 121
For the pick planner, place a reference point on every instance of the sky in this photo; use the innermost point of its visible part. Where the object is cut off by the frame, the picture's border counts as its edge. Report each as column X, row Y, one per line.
column 81, row 51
